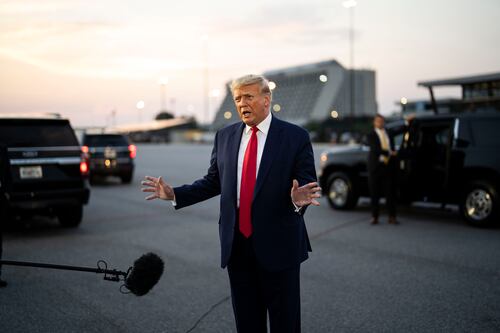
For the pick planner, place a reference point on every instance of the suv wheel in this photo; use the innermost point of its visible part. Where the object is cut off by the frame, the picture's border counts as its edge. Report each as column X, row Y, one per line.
column 480, row 204
column 341, row 193
column 70, row 216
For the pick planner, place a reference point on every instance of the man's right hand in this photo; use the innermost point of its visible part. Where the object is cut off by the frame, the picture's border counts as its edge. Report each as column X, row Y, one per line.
column 160, row 189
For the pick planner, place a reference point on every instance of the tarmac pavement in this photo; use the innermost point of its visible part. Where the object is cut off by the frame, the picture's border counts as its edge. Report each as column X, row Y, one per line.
column 431, row 273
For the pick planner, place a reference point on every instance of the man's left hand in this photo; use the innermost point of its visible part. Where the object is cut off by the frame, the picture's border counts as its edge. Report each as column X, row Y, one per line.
column 305, row 195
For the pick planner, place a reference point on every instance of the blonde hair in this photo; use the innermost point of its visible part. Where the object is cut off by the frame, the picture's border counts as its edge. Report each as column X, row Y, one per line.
column 250, row 79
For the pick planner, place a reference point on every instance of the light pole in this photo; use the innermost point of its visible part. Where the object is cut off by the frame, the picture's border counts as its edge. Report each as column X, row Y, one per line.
column 206, row 101
column 350, row 4
column 163, row 93
column 140, row 105
column 403, row 102
column 214, row 94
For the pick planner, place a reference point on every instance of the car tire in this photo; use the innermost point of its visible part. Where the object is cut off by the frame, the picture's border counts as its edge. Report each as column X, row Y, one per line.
column 341, row 193
column 480, row 204
column 70, row 217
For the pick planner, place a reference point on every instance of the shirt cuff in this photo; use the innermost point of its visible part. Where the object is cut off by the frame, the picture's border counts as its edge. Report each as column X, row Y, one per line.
column 174, row 203
column 297, row 208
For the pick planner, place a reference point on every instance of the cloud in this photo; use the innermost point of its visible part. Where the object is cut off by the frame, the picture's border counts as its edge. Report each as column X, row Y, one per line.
column 12, row 32
column 16, row 7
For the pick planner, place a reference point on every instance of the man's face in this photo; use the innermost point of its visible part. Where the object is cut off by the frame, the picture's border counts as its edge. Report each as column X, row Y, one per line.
column 252, row 105
column 378, row 122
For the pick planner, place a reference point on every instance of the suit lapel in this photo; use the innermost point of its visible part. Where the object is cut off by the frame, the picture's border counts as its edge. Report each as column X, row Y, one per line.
column 377, row 139
column 271, row 148
column 232, row 157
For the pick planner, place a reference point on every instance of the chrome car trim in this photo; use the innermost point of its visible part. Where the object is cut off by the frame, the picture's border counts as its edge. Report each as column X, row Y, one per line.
column 54, row 160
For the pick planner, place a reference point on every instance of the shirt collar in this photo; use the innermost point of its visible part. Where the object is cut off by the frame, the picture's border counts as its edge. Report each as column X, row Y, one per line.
column 263, row 126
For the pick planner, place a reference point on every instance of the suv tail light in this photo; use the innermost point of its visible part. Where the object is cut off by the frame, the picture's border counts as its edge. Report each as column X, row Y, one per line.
column 84, row 161
column 132, row 150
column 84, row 168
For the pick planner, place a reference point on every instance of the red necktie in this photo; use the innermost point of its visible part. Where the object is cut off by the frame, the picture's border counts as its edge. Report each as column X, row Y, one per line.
column 248, row 177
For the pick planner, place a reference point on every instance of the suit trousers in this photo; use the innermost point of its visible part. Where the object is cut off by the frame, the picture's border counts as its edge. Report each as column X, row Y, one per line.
column 382, row 181
column 256, row 292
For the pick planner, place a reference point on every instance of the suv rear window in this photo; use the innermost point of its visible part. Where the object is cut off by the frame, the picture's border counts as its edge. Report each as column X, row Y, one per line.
column 30, row 133
column 103, row 140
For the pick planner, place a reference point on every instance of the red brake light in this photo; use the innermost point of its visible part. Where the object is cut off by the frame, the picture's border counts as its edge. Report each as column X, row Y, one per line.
column 84, row 164
column 133, row 151
column 84, row 168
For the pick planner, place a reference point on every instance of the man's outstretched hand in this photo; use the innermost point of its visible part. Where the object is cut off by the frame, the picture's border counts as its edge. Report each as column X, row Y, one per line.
column 159, row 189
column 305, row 195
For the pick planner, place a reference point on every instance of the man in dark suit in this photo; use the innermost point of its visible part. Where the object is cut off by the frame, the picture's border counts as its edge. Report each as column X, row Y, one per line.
column 382, row 169
column 263, row 168
column 4, row 181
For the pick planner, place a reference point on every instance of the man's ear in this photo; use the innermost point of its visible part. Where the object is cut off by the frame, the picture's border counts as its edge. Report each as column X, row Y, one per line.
column 267, row 101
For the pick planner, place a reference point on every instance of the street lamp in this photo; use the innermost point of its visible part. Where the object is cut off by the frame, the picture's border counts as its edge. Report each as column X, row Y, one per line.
column 214, row 100
column 163, row 81
column 403, row 101
column 350, row 4
column 140, row 105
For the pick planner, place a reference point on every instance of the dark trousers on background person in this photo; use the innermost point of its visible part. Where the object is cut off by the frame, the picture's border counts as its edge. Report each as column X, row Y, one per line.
column 382, row 182
column 255, row 292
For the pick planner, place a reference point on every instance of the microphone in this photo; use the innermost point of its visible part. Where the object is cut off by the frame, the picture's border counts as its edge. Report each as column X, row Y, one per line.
column 139, row 279
column 145, row 274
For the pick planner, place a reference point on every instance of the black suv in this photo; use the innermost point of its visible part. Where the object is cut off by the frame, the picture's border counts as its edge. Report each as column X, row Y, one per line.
column 110, row 155
column 442, row 158
column 46, row 170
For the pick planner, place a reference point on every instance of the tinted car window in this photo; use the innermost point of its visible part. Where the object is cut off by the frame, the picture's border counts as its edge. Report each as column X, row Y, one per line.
column 434, row 135
column 32, row 134
column 486, row 132
column 105, row 140
column 398, row 140
column 397, row 131
column 443, row 136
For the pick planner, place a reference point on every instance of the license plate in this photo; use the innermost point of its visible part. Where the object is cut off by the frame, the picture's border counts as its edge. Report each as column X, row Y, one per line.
column 109, row 153
column 31, row 172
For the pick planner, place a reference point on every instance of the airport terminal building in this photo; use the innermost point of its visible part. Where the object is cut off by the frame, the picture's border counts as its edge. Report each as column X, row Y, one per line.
column 480, row 93
column 311, row 93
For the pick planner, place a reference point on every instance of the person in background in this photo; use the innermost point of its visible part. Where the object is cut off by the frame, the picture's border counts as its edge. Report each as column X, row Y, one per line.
column 382, row 170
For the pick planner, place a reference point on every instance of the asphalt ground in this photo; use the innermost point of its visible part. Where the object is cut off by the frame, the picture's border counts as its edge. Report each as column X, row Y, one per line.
column 431, row 273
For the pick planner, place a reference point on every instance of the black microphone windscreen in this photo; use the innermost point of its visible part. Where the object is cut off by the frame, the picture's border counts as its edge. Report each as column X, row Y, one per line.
column 145, row 273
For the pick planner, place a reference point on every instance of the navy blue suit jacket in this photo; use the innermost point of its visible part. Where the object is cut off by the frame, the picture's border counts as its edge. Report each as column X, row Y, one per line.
column 279, row 234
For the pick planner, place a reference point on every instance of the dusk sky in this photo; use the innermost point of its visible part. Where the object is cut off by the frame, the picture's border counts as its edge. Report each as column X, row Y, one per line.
column 84, row 59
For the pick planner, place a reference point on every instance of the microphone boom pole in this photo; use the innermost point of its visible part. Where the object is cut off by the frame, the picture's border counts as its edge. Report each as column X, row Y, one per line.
column 99, row 270
column 139, row 279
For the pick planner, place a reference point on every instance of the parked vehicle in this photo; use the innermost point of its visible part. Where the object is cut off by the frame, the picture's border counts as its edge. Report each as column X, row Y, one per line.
column 48, row 172
column 110, row 155
column 442, row 158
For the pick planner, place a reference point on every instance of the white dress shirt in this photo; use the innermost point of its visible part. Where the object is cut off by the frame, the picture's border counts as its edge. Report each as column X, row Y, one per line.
column 261, row 141
column 380, row 133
